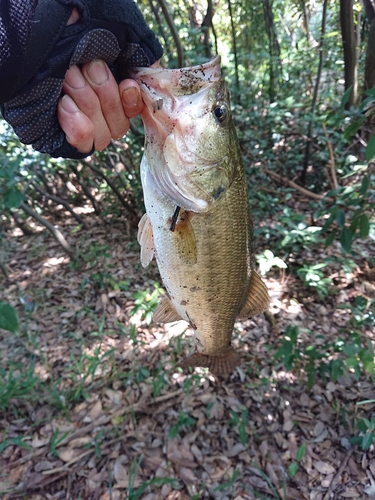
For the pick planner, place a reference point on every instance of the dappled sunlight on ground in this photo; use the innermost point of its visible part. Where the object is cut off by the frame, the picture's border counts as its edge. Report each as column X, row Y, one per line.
column 93, row 405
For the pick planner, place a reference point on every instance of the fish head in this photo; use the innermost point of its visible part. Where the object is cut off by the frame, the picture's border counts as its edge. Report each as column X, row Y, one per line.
column 189, row 133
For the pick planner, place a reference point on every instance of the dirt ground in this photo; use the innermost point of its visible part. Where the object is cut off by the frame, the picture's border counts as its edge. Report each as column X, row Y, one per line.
column 92, row 406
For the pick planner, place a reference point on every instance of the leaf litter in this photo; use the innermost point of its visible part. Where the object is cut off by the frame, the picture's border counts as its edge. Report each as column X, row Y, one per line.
column 92, row 407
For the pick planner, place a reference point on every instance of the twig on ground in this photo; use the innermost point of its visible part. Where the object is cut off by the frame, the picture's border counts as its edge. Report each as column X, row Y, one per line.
column 338, row 474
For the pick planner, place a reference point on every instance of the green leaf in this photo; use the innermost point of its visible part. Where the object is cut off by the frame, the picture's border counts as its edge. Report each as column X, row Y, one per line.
column 365, row 184
column 346, row 96
column 330, row 219
column 301, row 452
column 330, row 238
column 371, row 92
column 293, row 469
column 340, row 218
column 370, row 148
column 346, row 239
column 13, row 198
column 352, row 129
column 367, row 440
column 364, row 226
column 8, row 317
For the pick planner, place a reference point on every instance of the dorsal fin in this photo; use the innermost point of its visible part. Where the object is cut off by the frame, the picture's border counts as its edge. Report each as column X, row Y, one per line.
column 165, row 312
column 257, row 300
column 146, row 240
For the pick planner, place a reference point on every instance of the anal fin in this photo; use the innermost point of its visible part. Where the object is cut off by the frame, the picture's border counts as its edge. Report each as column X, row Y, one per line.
column 165, row 312
column 257, row 300
column 146, row 240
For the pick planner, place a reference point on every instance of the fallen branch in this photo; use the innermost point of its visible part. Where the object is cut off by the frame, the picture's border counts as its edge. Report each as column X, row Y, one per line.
column 59, row 237
column 292, row 184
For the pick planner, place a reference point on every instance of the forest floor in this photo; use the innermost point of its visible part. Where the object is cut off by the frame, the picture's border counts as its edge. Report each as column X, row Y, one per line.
column 91, row 406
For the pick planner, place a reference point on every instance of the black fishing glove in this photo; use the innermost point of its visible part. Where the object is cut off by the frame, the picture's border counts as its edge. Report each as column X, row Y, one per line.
column 37, row 48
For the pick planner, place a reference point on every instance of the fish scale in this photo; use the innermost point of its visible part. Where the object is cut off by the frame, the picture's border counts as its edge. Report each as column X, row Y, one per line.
column 195, row 169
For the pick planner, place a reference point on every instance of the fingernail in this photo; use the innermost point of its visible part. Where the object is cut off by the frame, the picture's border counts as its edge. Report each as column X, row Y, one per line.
column 130, row 96
column 68, row 104
column 74, row 78
column 97, row 71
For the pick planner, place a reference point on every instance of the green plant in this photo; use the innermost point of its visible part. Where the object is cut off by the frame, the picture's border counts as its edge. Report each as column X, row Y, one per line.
column 267, row 260
column 17, row 383
column 293, row 467
column 146, row 302
column 184, row 420
column 314, row 277
column 366, row 435
column 136, row 493
column 8, row 317
column 275, row 493
column 240, row 420
column 56, row 439
column 227, row 485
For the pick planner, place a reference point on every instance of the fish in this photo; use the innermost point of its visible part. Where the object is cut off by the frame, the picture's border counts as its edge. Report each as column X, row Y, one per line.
column 197, row 222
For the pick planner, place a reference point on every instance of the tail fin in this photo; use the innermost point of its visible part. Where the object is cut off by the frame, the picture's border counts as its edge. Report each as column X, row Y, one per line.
column 221, row 364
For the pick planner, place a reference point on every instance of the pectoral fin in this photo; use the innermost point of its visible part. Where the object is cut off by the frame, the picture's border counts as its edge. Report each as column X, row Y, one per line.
column 257, row 299
column 185, row 242
column 146, row 240
column 165, row 312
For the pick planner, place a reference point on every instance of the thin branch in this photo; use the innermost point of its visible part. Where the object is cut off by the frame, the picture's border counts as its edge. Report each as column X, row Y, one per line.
column 172, row 27
column 60, row 201
column 332, row 160
column 85, row 189
column 123, row 202
column 292, row 184
column 59, row 237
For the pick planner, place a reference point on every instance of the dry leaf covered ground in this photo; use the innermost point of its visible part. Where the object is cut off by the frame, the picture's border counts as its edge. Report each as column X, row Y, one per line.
column 93, row 408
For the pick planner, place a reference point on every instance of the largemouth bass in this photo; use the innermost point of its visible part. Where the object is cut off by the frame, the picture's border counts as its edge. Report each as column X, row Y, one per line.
column 197, row 220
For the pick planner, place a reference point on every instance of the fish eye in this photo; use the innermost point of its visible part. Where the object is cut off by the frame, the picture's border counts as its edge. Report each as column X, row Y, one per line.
column 220, row 112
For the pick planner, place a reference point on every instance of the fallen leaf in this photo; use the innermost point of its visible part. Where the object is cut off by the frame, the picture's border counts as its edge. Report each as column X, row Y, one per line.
column 324, row 467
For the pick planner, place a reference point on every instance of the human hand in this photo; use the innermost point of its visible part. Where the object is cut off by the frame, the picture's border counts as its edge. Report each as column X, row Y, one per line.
column 95, row 109
column 90, row 113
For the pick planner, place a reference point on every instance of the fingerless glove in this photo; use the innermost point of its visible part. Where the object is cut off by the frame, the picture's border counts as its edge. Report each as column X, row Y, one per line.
column 37, row 48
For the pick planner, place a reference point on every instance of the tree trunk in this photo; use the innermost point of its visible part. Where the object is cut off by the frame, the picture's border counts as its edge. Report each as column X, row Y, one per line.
column 234, row 45
column 370, row 52
column 172, row 27
column 350, row 52
column 316, row 90
column 273, row 49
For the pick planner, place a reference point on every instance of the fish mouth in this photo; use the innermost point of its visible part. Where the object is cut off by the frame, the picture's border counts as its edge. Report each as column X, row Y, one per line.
column 182, row 81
